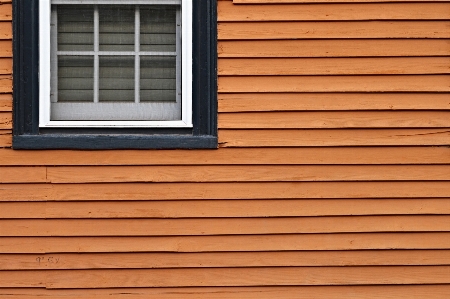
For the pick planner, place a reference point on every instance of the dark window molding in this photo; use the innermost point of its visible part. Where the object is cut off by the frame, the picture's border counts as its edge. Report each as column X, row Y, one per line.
column 28, row 135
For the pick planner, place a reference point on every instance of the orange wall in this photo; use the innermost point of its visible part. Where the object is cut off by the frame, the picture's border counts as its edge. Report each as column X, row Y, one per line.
column 331, row 180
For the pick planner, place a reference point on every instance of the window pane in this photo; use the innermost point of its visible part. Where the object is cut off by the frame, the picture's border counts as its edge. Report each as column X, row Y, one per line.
column 75, row 78
column 75, row 27
column 116, row 78
column 116, row 27
column 158, row 78
column 158, row 28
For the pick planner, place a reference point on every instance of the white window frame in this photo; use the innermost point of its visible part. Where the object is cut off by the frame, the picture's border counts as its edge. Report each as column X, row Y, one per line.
column 45, row 68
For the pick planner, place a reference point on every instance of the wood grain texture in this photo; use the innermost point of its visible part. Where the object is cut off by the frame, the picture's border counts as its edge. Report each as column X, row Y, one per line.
column 223, row 208
column 5, row 106
column 231, row 226
column 340, row 119
column 344, row 137
column 250, row 190
column 334, row 48
column 5, row 65
column 5, row 138
column 5, row 12
column 5, row 30
column 232, row 156
column 157, row 260
column 5, row 82
column 228, row 173
column 391, row 83
column 323, row 1
column 332, row 30
column 347, row 103
column 333, row 66
column 5, row 120
column 251, row 243
column 275, row 276
column 21, row 174
column 5, row 103
column 291, row 292
column 333, row 12
column 5, row 48
column 253, row 102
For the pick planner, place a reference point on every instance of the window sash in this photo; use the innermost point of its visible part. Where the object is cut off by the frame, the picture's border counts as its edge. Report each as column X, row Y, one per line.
column 46, row 80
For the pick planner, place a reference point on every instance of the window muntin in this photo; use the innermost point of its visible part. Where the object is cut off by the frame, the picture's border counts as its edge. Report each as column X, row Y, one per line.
column 104, row 73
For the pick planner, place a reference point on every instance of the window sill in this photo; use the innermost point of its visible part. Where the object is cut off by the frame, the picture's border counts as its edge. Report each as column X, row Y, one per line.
column 119, row 141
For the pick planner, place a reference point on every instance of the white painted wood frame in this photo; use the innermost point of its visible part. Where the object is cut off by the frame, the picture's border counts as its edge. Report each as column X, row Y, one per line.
column 45, row 78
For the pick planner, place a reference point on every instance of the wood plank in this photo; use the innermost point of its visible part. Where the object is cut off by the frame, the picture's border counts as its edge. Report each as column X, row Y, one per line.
column 6, row 48
column 5, row 64
column 333, row 30
column 334, row 48
column 5, row 82
column 250, row 102
column 5, row 12
column 57, row 279
column 190, row 191
column 291, row 292
column 224, row 208
column 338, row 119
column 250, row 276
column 5, row 106
column 5, row 30
column 324, row 1
column 252, row 243
column 229, row 173
column 229, row 226
column 232, row 156
column 5, row 138
column 5, row 102
column 387, row 83
column 5, row 120
column 307, row 292
column 22, row 174
column 223, row 259
column 332, row 12
column 333, row 66
column 344, row 137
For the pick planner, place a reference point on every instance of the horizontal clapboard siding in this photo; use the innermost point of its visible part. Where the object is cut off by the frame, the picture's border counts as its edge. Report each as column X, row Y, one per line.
column 317, row 292
column 390, row 83
column 275, row 276
column 279, row 58
column 223, row 173
column 328, row 137
column 5, row 73
column 242, row 102
column 335, row 30
column 331, row 180
column 245, row 243
column 69, row 261
column 200, row 191
column 323, row 1
column 224, row 208
column 333, row 66
column 239, row 226
column 331, row 48
column 322, row 11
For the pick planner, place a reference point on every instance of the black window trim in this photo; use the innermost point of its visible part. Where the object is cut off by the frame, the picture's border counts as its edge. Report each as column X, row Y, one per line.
column 28, row 135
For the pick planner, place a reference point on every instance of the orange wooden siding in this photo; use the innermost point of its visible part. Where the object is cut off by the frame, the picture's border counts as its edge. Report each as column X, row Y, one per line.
column 331, row 180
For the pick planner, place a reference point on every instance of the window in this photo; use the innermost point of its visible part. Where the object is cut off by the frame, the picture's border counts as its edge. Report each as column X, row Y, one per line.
column 115, row 74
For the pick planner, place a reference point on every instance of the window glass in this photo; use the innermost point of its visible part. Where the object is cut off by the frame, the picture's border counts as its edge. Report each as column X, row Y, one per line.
column 110, row 61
